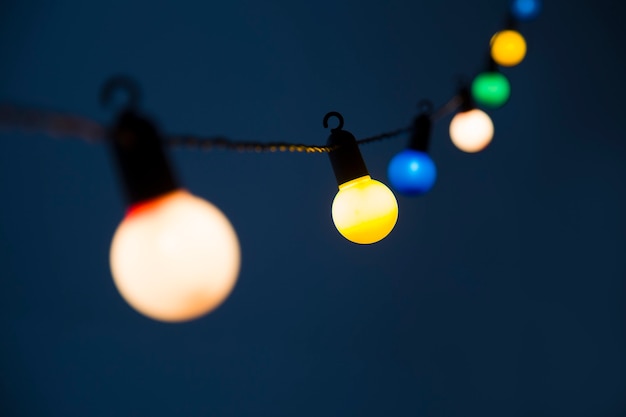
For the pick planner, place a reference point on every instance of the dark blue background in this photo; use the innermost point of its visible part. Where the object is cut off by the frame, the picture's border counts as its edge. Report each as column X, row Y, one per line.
column 501, row 293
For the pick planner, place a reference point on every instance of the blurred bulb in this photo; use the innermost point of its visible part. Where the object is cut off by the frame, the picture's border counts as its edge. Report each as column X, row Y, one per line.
column 525, row 9
column 508, row 48
column 491, row 89
column 471, row 131
column 412, row 172
column 175, row 258
column 364, row 210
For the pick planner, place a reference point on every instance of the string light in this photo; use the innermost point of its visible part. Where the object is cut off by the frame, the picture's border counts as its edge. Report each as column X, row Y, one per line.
column 525, row 9
column 176, row 257
column 471, row 129
column 508, row 48
column 412, row 172
column 491, row 89
column 364, row 210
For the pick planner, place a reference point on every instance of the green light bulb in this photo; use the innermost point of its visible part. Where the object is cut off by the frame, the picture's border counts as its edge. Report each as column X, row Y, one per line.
column 491, row 89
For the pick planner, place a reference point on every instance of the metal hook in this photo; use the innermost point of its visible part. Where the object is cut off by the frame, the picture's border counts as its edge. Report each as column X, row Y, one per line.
column 338, row 116
column 120, row 83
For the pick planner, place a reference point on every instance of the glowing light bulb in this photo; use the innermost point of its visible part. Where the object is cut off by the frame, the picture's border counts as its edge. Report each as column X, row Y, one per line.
column 175, row 257
column 364, row 210
column 412, row 172
column 471, row 131
column 491, row 89
column 525, row 9
column 508, row 48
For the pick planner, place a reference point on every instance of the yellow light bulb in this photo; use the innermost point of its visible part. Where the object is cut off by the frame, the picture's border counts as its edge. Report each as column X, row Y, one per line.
column 175, row 258
column 364, row 210
column 508, row 48
column 471, row 131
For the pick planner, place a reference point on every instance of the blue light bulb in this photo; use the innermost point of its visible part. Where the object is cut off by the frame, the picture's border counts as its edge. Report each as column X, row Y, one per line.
column 525, row 9
column 412, row 172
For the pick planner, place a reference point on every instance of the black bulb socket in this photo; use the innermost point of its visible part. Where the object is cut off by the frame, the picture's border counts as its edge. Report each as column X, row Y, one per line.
column 140, row 155
column 420, row 133
column 345, row 158
column 492, row 65
column 511, row 22
column 467, row 102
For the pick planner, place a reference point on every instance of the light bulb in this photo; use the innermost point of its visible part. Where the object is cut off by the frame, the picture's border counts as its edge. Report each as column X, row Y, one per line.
column 471, row 131
column 364, row 210
column 508, row 48
column 175, row 257
column 525, row 9
column 491, row 89
column 412, row 172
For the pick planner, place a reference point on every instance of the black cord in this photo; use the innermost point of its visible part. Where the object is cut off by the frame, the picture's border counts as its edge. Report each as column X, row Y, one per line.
column 51, row 122
column 69, row 125
column 220, row 142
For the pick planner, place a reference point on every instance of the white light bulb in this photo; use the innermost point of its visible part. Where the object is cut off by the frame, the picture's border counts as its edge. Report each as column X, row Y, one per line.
column 471, row 131
column 175, row 258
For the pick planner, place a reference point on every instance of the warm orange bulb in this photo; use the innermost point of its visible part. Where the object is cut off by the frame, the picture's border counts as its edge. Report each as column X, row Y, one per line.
column 175, row 258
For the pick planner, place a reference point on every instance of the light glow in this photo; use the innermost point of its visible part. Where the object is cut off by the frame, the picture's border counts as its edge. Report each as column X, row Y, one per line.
column 526, row 9
column 412, row 172
column 364, row 210
column 471, row 131
column 175, row 258
column 491, row 89
column 508, row 48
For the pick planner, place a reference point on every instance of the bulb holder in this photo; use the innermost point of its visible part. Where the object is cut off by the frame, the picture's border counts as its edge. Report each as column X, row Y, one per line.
column 141, row 159
column 491, row 65
column 511, row 22
column 345, row 158
column 465, row 96
column 420, row 133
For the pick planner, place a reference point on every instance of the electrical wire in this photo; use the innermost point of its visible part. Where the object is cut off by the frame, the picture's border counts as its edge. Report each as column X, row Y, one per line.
column 53, row 123
column 60, row 124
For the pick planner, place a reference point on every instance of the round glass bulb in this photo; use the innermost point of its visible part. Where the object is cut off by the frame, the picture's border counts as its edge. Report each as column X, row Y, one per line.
column 412, row 172
column 364, row 210
column 491, row 89
column 175, row 258
column 525, row 9
column 471, row 131
column 508, row 48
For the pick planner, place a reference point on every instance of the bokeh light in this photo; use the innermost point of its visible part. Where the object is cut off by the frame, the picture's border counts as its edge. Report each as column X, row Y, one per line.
column 526, row 9
column 508, row 48
column 412, row 172
column 175, row 258
column 491, row 89
column 471, row 131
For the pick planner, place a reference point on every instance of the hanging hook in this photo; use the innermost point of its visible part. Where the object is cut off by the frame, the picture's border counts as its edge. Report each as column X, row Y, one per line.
column 338, row 116
column 124, row 84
